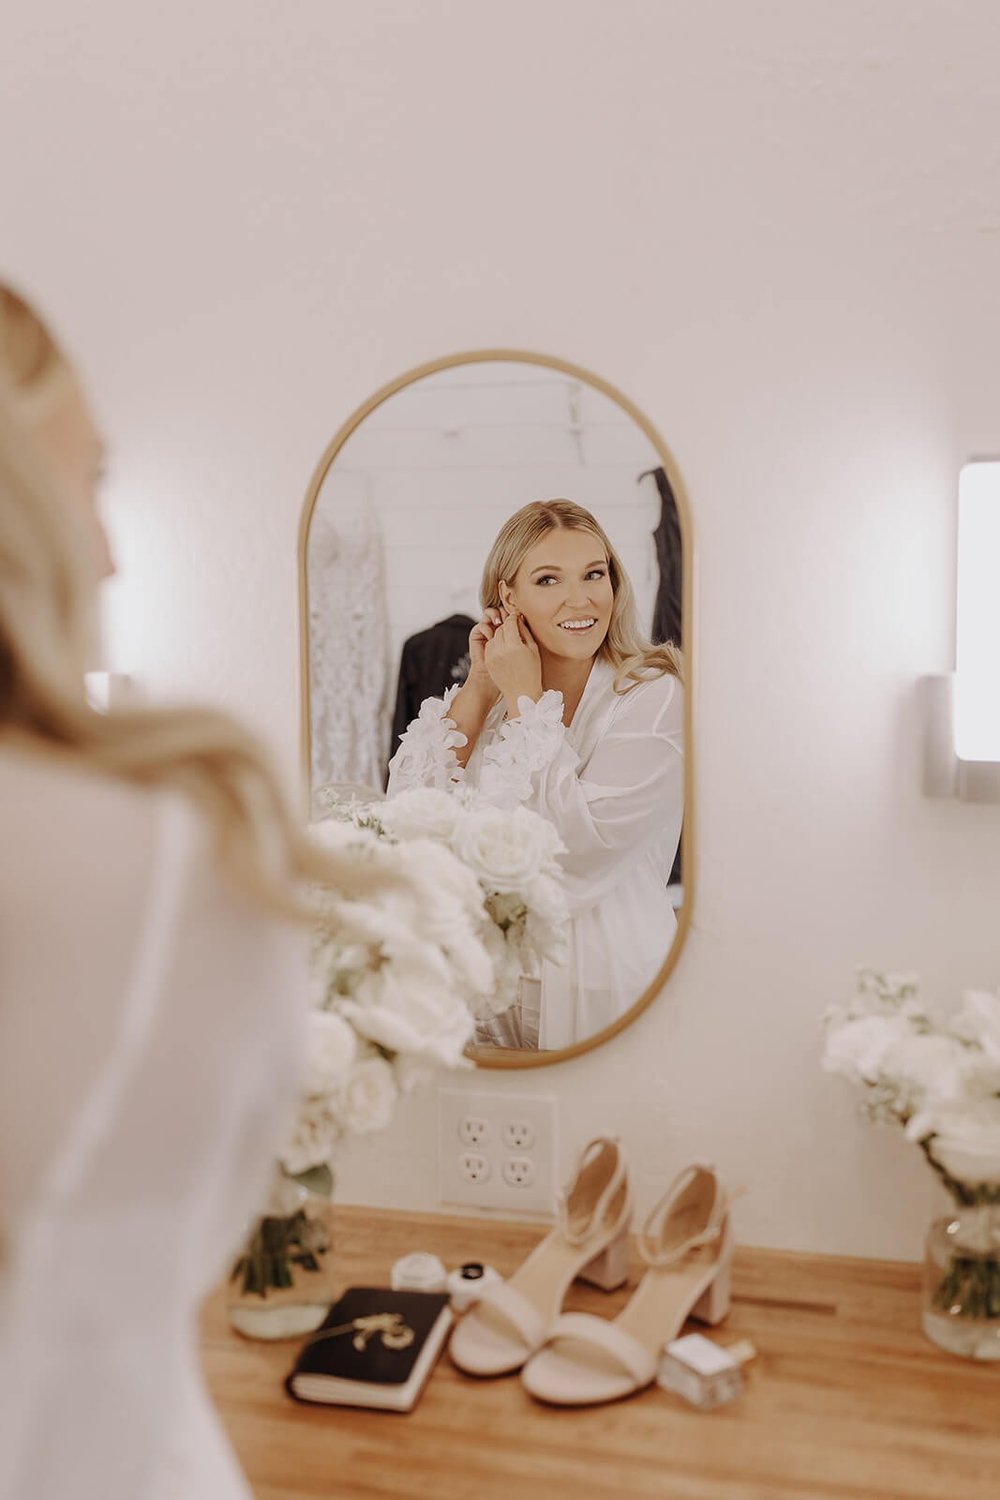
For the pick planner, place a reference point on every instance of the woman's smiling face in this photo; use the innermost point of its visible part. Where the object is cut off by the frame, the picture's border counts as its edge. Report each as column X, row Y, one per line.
column 563, row 590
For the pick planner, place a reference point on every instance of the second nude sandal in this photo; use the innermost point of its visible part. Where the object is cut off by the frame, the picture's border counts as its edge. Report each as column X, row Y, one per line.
column 687, row 1244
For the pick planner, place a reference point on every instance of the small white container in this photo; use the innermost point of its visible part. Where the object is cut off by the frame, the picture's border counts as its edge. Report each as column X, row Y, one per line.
column 418, row 1272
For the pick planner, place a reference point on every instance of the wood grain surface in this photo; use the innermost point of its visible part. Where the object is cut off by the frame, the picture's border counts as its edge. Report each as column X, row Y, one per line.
column 846, row 1398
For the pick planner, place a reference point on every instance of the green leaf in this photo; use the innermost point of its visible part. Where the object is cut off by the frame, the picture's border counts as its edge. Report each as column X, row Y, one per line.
column 318, row 1180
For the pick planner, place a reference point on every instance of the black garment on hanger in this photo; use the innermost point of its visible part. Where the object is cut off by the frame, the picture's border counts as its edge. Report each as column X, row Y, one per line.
column 667, row 609
column 430, row 663
column 669, row 551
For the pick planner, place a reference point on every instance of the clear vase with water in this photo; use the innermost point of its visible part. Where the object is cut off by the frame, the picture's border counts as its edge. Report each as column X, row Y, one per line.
column 281, row 1285
column 962, row 1278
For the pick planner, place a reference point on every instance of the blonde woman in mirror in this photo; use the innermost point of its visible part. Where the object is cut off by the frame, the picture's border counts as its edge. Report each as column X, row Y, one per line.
column 152, row 1024
column 569, row 712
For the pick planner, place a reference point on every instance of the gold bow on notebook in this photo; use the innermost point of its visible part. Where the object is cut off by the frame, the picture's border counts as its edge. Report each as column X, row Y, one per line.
column 395, row 1334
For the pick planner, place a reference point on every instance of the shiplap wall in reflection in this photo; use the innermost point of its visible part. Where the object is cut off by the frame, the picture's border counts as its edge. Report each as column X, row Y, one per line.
column 445, row 461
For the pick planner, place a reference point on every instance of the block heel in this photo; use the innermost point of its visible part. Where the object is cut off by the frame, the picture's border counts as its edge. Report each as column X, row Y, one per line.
column 713, row 1306
column 608, row 1270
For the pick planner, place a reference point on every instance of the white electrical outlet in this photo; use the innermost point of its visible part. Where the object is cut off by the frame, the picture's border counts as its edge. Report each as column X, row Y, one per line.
column 474, row 1167
column 518, row 1133
column 518, row 1172
column 474, row 1130
column 497, row 1150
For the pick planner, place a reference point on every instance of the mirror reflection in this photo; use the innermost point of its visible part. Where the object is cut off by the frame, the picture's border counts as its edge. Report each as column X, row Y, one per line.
column 494, row 572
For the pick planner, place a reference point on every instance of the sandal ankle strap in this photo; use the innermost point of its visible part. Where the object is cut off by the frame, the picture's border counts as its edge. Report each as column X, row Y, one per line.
column 618, row 1178
column 650, row 1239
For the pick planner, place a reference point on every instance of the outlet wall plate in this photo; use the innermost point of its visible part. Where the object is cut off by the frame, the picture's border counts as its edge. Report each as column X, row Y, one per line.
column 497, row 1151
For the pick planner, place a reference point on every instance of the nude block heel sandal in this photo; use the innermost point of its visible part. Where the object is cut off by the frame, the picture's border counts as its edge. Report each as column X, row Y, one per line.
column 687, row 1244
column 589, row 1242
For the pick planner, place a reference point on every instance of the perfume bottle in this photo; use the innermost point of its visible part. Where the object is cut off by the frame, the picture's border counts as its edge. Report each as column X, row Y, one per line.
column 704, row 1374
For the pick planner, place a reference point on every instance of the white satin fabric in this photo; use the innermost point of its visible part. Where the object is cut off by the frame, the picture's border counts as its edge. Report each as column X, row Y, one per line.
column 151, row 1033
column 612, row 783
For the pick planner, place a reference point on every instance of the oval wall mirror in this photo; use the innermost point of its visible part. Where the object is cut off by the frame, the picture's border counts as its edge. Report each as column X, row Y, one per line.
column 499, row 542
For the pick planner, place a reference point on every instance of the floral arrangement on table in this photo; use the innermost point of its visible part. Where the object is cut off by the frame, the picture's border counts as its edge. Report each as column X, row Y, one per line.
column 471, row 900
column 940, row 1081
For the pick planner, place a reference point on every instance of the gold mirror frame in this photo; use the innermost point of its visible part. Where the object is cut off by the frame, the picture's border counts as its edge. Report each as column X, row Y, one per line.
column 508, row 1057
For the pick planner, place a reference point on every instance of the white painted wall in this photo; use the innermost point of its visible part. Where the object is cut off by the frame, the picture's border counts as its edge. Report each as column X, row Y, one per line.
column 777, row 228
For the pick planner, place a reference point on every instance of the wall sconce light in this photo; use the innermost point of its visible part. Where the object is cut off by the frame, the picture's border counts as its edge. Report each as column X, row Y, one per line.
column 962, row 712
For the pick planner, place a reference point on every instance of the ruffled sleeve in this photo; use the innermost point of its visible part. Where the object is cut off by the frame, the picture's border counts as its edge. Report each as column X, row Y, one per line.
column 523, row 747
column 426, row 754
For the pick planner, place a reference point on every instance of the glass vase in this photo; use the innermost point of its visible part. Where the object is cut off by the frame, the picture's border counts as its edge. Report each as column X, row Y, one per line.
column 962, row 1281
column 281, row 1282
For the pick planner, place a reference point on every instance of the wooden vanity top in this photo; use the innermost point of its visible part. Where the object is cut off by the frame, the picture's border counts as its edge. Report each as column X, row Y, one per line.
column 846, row 1398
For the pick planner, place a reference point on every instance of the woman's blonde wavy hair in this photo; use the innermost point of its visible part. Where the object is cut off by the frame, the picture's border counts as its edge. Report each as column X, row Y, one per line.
column 633, row 658
column 46, row 606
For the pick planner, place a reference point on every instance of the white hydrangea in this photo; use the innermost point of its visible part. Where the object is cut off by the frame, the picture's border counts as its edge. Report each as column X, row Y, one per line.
column 939, row 1079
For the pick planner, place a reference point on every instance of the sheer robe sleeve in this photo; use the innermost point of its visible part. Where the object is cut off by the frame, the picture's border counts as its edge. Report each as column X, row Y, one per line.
column 630, row 794
column 426, row 754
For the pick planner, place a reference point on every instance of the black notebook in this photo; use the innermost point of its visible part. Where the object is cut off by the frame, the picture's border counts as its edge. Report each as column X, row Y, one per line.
column 376, row 1347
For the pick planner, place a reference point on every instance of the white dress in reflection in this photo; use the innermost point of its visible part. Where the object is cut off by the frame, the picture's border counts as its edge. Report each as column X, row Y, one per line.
column 613, row 785
column 348, row 645
column 151, row 1029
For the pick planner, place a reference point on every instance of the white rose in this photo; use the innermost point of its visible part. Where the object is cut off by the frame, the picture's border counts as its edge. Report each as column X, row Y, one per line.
column 857, row 1048
column 403, row 1010
column 339, row 958
column 313, row 1138
column 423, row 812
column 507, row 850
column 547, row 901
column 447, row 912
column 390, row 930
column 966, row 1142
column 332, row 1048
column 439, row 879
column 369, row 1097
column 978, row 1021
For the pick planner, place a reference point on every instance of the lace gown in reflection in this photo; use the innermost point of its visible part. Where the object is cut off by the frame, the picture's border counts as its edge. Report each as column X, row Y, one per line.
column 348, row 650
column 613, row 785
column 150, row 1041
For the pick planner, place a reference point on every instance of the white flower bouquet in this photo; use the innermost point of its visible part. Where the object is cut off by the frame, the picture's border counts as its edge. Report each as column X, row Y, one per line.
column 397, row 978
column 514, row 859
column 940, row 1081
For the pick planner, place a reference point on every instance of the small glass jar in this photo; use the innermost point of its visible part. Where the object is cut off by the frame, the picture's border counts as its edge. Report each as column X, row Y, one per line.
column 705, row 1374
column 962, row 1281
column 281, row 1285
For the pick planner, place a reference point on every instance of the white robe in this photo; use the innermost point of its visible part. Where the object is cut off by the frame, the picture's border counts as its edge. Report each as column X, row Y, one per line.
column 151, row 1031
column 612, row 783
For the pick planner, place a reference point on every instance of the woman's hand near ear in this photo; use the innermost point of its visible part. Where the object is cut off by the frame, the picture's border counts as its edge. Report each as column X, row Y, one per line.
column 479, row 638
column 514, row 663
column 479, row 692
